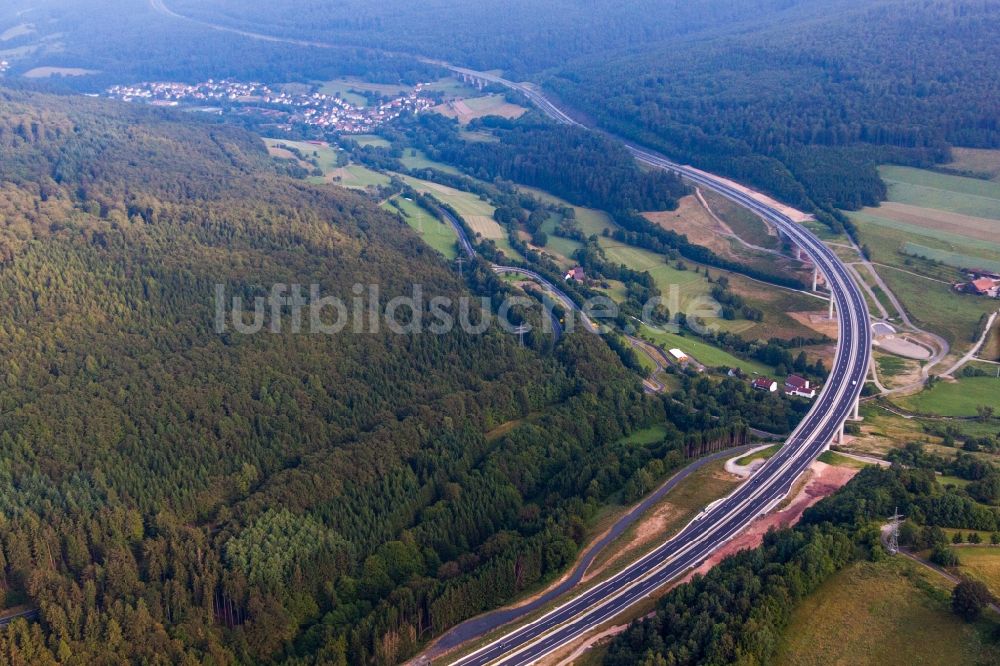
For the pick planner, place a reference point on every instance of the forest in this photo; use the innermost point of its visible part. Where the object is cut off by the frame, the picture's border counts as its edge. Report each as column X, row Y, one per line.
column 172, row 493
column 800, row 98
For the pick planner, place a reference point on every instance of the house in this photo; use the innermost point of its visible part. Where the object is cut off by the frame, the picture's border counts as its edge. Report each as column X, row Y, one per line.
column 985, row 286
column 795, row 385
column 576, row 274
column 764, row 384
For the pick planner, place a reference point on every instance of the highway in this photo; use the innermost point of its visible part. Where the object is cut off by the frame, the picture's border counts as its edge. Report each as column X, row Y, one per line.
column 723, row 520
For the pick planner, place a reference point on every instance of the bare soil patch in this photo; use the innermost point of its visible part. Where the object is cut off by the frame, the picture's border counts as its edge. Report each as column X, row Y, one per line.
column 823, row 481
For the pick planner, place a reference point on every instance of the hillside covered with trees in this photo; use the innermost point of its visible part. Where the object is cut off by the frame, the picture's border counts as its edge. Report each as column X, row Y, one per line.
column 800, row 98
column 174, row 493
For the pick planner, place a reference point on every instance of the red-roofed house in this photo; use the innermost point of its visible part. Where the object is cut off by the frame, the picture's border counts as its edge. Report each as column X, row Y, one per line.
column 985, row 286
column 799, row 386
column 765, row 384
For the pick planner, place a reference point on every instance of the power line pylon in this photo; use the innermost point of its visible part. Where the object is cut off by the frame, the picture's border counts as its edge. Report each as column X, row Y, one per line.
column 893, row 544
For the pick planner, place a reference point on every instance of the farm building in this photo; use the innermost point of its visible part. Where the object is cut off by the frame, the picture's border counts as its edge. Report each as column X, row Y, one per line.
column 765, row 384
column 679, row 356
column 576, row 274
column 795, row 385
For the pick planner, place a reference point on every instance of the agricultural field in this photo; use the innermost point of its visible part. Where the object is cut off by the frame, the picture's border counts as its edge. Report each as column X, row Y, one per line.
column 414, row 158
column 478, row 214
column 20, row 30
column 439, row 235
column 956, row 398
column 974, row 163
column 701, row 351
column 468, row 109
column 923, row 287
column 369, row 140
column 49, row 72
column 981, row 562
column 889, row 612
column 942, row 192
column 356, row 176
column 351, row 90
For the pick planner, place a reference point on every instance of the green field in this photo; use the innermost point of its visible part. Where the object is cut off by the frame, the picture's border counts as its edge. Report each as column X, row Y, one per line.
column 325, row 156
column 344, row 88
column 958, row 398
column 702, row 352
column 646, row 436
column 834, row 458
column 936, row 239
column 930, row 189
column 369, row 140
column 981, row 562
column 439, row 235
column 356, row 176
column 478, row 214
column 416, row 159
column 451, row 87
column 930, row 302
column 763, row 454
column 953, row 259
column 890, row 612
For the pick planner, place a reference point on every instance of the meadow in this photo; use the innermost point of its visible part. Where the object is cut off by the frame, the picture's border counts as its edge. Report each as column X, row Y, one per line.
column 468, row 109
column 981, row 562
column 975, row 163
column 931, row 189
column 478, row 214
column 957, row 398
column 439, row 235
column 888, row 612
column 345, row 88
column 702, row 352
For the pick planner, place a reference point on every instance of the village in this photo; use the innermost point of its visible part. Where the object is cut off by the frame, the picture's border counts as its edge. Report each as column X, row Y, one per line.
column 312, row 109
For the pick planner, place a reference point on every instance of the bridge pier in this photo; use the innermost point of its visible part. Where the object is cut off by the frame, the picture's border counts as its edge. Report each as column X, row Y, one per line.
column 815, row 278
column 831, row 306
column 840, row 435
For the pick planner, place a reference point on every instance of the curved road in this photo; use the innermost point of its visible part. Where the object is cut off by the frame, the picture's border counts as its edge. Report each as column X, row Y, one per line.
column 721, row 521
column 727, row 517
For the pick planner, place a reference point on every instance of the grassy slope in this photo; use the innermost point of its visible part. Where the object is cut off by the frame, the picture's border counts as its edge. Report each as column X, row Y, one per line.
column 931, row 303
column 433, row 231
column 959, row 398
column 981, row 562
column 929, row 189
column 702, row 352
column 891, row 612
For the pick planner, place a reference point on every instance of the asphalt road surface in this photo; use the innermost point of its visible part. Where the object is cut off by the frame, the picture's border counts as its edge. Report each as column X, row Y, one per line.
column 724, row 519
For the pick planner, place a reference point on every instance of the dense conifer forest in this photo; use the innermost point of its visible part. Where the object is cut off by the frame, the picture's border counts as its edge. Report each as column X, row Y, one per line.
column 173, row 493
